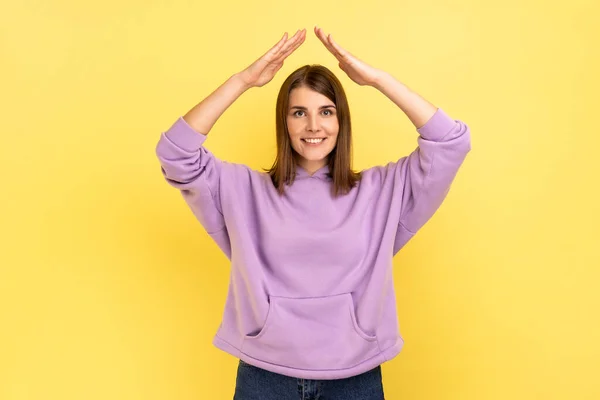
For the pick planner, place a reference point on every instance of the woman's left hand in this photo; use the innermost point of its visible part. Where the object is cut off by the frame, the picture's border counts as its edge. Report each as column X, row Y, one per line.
column 357, row 70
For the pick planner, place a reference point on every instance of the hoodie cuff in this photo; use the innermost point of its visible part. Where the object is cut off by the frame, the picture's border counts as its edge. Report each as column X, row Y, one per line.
column 438, row 126
column 184, row 136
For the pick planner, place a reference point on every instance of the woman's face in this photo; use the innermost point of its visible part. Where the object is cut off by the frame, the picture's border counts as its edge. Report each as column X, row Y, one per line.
column 313, row 126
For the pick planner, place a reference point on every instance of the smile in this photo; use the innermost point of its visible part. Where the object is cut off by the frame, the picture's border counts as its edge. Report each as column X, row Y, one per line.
column 314, row 141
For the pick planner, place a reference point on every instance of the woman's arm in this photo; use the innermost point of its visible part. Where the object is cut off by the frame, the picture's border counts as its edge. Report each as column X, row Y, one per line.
column 416, row 108
column 424, row 176
column 187, row 164
column 205, row 114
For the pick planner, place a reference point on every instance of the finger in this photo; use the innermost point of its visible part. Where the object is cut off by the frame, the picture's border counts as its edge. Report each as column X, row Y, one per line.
column 339, row 53
column 286, row 52
column 279, row 47
column 324, row 39
column 293, row 41
column 339, row 50
column 289, row 51
column 321, row 35
column 275, row 49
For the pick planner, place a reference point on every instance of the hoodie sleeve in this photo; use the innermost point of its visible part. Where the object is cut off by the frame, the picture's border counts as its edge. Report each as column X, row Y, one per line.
column 426, row 174
column 195, row 171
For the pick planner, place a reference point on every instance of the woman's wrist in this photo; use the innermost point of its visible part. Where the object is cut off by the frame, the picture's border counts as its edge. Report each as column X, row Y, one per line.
column 239, row 80
column 380, row 80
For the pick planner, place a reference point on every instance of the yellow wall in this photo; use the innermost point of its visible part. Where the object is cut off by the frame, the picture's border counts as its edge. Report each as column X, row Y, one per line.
column 110, row 289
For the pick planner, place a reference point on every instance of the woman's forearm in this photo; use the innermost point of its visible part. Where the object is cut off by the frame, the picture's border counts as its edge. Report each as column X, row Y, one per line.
column 205, row 114
column 416, row 108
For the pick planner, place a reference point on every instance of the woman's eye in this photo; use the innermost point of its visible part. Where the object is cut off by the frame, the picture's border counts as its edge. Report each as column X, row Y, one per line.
column 324, row 111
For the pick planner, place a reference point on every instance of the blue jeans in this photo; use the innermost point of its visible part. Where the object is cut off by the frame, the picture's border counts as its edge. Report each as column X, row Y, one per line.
column 253, row 383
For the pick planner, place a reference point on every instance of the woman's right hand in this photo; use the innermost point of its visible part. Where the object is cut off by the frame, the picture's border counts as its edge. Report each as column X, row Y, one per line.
column 264, row 69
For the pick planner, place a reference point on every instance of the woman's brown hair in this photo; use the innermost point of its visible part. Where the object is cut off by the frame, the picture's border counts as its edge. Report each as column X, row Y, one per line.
column 322, row 80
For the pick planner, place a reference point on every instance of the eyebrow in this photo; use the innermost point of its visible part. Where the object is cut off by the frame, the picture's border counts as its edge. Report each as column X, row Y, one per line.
column 304, row 108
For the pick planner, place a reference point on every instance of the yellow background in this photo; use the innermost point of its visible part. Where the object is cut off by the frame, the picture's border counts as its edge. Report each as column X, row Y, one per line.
column 110, row 289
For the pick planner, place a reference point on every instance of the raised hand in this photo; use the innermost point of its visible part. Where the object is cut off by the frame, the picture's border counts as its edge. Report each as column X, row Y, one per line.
column 357, row 70
column 264, row 69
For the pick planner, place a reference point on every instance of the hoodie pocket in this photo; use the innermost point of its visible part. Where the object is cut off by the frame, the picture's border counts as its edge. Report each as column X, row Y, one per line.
column 316, row 333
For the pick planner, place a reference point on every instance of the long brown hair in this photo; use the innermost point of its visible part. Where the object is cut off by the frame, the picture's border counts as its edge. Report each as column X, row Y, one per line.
column 322, row 80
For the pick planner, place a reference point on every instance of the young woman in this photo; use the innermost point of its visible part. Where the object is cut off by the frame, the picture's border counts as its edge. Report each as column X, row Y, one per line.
column 311, row 309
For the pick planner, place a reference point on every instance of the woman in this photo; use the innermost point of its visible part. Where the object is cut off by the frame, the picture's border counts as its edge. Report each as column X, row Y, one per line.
column 311, row 310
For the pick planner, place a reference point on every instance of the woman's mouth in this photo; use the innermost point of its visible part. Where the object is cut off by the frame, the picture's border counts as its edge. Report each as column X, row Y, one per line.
column 313, row 141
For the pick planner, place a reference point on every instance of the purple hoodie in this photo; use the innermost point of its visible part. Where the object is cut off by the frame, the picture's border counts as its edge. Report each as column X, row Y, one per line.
column 311, row 292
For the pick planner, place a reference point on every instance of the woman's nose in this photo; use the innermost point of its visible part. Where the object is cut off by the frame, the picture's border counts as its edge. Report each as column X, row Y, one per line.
column 313, row 123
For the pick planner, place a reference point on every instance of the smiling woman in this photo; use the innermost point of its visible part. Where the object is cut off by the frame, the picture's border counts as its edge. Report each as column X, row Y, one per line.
column 312, row 105
column 311, row 308
column 311, row 127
